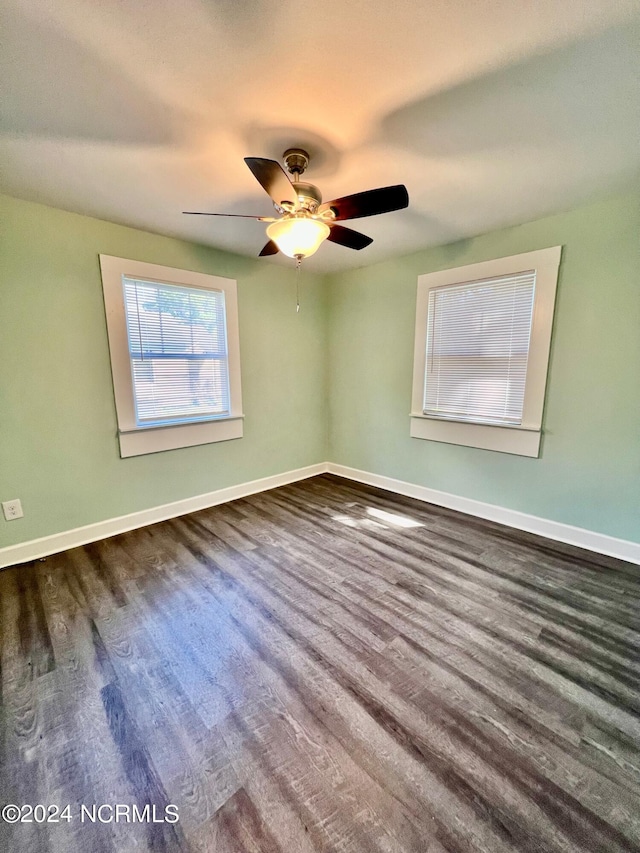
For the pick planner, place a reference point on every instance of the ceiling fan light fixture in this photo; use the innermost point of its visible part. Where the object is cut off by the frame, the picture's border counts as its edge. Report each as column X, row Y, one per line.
column 298, row 236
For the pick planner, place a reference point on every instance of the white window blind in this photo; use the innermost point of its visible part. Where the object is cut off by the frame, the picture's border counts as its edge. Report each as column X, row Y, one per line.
column 178, row 350
column 477, row 349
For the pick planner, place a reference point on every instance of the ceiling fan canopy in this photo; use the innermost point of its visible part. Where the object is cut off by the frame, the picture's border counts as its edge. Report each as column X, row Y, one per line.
column 305, row 222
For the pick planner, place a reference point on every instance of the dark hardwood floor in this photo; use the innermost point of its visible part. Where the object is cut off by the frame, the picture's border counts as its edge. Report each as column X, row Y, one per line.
column 324, row 667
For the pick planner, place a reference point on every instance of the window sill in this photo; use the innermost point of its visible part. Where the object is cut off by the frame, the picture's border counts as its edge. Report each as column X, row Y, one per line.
column 142, row 440
column 504, row 439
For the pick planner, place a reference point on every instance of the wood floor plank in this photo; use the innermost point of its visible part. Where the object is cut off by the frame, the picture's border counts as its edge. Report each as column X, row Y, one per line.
column 435, row 743
column 324, row 667
column 295, row 725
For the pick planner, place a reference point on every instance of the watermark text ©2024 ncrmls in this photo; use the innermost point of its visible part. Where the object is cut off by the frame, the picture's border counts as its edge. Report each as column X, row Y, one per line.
column 90, row 813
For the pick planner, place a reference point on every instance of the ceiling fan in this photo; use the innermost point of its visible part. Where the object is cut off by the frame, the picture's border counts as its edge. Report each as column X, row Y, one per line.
column 305, row 222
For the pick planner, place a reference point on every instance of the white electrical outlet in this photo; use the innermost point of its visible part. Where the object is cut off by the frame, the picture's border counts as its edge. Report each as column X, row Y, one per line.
column 12, row 509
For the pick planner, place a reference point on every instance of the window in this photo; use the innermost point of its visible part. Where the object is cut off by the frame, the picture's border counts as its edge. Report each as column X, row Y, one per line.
column 175, row 356
column 481, row 352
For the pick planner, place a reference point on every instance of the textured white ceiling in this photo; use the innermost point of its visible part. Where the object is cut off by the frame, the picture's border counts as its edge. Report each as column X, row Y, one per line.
column 492, row 112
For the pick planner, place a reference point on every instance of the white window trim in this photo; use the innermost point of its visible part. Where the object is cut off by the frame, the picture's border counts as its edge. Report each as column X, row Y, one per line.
column 522, row 439
column 136, row 440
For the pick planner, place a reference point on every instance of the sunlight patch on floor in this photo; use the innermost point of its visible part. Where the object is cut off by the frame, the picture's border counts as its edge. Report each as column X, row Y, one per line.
column 393, row 518
column 377, row 518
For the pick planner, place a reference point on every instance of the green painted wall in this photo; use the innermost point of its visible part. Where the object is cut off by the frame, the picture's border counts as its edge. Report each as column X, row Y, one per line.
column 58, row 447
column 589, row 471
column 333, row 382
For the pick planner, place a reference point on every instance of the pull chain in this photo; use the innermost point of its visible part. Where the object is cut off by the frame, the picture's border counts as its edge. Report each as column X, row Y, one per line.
column 298, row 265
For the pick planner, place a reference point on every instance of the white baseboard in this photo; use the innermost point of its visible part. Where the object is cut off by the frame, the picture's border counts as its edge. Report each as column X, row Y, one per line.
column 588, row 539
column 598, row 542
column 36, row 548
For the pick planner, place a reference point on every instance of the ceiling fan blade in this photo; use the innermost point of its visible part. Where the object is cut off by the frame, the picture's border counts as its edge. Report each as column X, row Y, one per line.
column 269, row 249
column 348, row 237
column 237, row 215
column 369, row 203
column 273, row 178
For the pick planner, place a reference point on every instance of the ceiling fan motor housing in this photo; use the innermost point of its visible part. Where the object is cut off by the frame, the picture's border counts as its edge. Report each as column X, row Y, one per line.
column 309, row 197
